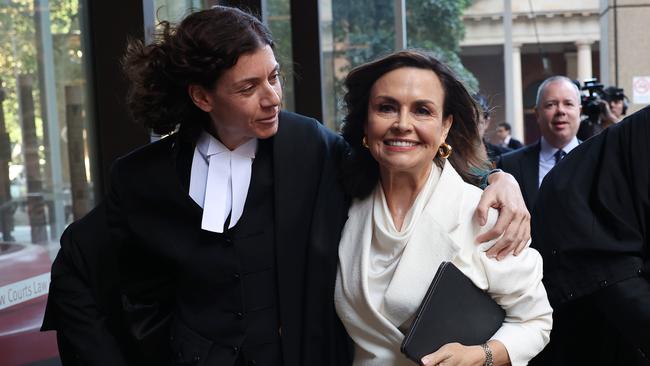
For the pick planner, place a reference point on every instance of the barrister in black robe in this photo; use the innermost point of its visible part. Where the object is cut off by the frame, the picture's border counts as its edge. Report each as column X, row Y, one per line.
column 168, row 266
column 142, row 281
column 590, row 223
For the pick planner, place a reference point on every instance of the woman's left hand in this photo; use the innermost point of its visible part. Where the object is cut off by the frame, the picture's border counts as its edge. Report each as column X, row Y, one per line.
column 513, row 223
column 455, row 354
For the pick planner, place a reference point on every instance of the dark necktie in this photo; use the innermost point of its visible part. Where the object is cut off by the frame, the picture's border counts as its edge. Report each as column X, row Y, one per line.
column 559, row 155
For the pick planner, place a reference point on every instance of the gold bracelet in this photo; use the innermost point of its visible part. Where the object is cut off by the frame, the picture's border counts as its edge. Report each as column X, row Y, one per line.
column 488, row 354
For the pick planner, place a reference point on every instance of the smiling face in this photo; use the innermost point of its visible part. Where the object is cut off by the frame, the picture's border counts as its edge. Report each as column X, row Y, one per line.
column 245, row 101
column 405, row 124
column 558, row 113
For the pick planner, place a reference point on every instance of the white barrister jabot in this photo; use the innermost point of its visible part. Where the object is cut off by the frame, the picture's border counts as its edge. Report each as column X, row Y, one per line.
column 219, row 180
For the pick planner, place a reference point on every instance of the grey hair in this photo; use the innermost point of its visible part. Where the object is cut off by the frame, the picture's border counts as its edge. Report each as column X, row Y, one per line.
column 553, row 79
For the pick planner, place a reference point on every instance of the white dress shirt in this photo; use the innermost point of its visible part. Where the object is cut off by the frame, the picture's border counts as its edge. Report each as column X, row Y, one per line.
column 547, row 156
column 219, row 180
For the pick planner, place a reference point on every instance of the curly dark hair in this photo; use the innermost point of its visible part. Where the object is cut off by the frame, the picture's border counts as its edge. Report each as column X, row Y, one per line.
column 360, row 172
column 197, row 51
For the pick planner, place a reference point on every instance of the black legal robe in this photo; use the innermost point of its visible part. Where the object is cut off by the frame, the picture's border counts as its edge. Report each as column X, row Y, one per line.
column 115, row 297
column 590, row 223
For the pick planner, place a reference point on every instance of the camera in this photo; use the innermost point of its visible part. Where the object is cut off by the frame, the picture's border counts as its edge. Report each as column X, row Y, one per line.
column 596, row 107
column 591, row 102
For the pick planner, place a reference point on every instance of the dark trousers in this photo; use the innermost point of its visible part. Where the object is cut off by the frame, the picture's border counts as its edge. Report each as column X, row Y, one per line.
column 609, row 327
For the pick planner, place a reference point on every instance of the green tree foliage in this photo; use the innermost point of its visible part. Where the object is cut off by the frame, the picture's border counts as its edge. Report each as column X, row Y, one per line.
column 365, row 29
column 436, row 25
column 19, row 54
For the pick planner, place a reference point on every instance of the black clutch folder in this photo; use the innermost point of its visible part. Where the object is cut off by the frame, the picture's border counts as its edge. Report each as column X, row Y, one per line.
column 453, row 310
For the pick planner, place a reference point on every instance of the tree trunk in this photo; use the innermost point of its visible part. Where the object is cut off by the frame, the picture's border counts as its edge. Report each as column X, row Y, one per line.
column 35, row 201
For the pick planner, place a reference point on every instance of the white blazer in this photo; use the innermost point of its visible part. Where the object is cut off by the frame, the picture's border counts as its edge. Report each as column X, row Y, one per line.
column 445, row 231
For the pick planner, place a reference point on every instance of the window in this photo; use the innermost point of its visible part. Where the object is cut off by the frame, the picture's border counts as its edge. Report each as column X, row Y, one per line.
column 277, row 17
column 352, row 32
column 46, row 178
column 279, row 22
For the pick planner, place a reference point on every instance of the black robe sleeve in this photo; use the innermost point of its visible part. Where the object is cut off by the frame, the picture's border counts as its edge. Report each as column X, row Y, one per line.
column 79, row 307
column 327, row 343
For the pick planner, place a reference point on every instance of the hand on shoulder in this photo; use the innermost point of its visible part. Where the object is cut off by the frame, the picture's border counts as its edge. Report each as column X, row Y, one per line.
column 513, row 225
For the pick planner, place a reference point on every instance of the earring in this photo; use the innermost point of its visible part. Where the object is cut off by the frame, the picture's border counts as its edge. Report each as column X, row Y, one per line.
column 444, row 150
column 364, row 142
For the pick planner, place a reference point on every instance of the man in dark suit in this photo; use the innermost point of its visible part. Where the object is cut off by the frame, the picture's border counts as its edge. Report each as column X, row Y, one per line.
column 558, row 116
column 591, row 224
column 503, row 132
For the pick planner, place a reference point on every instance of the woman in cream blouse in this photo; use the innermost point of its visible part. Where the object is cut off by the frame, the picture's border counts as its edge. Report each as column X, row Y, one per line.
column 413, row 209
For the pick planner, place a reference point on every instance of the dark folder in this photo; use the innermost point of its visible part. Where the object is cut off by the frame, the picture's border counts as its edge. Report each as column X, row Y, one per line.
column 453, row 310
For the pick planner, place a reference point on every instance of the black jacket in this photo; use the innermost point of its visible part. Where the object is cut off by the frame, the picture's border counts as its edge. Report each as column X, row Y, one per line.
column 515, row 144
column 523, row 164
column 494, row 151
column 113, row 289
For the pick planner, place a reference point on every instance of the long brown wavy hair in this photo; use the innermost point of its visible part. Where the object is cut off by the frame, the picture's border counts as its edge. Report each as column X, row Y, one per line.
column 360, row 173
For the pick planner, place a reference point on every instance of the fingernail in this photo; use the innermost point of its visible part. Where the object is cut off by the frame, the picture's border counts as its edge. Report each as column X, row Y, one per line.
column 424, row 360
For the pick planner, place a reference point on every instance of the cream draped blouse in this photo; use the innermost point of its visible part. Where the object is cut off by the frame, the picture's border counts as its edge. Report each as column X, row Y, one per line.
column 384, row 273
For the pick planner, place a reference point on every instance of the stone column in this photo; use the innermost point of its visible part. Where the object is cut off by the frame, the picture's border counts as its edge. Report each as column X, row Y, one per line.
column 36, row 207
column 584, row 60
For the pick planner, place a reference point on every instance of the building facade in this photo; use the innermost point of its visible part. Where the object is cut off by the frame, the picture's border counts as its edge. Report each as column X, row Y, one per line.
column 549, row 38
